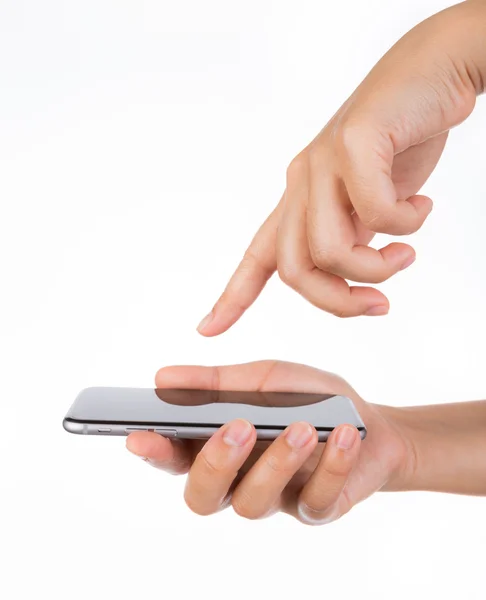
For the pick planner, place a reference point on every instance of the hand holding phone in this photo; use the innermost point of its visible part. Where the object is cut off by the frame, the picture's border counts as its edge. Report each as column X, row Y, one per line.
column 314, row 482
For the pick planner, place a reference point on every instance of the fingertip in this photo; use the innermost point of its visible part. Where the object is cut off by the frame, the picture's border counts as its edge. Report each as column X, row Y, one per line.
column 377, row 311
column 158, row 377
column 408, row 262
column 173, row 457
column 422, row 204
column 219, row 320
column 239, row 432
column 132, row 444
column 346, row 437
column 165, row 377
column 257, row 266
column 148, row 445
column 206, row 321
column 179, row 376
column 412, row 214
column 212, row 331
column 398, row 257
column 369, row 301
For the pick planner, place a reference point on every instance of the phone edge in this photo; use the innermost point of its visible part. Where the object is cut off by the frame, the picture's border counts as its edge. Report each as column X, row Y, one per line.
column 183, row 433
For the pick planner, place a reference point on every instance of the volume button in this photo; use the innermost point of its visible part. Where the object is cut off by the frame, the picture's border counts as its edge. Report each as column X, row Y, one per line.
column 170, row 433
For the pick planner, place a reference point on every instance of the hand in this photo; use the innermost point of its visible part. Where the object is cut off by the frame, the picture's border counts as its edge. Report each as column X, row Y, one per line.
column 316, row 483
column 362, row 173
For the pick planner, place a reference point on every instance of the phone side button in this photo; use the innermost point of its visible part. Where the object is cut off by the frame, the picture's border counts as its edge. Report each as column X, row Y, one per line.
column 170, row 433
column 104, row 430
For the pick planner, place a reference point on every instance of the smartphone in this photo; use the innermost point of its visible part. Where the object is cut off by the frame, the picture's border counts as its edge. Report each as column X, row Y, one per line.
column 197, row 414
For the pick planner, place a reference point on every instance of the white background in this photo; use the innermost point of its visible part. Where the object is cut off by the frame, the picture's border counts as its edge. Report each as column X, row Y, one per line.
column 141, row 145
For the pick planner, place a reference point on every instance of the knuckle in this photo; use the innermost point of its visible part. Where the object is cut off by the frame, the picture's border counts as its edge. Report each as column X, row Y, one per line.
column 250, row 260
column 297, row 168
column 289, row 274
column 374, row 220
column 177, row 466
column 242, row 505
column 349, row 134
column 208, row 467
column 336, row 469
column 247, row 263
column 315, row 156
column 326, row 257
column 274, row 464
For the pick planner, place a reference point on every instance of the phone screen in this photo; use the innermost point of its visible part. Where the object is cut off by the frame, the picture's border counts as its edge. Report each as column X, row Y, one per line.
column 211, row 408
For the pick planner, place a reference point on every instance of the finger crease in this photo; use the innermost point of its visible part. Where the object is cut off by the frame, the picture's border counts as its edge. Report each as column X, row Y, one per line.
column 267, row 375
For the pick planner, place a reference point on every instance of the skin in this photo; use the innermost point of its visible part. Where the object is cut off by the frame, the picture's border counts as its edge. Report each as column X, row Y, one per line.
column 360, row 176
column 316, row 483
column 437, row 448
column 362, row 173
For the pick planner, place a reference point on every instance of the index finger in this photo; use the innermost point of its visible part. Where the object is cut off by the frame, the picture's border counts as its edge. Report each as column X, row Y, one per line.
column 257, row 266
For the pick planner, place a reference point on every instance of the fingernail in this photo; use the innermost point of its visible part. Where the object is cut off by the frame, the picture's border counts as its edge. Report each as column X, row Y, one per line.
column 345, row 437
column 315, row 517
column 205, row 322
column 377, row 311
column 298, row 435
column 407, row 263
column 237, row 433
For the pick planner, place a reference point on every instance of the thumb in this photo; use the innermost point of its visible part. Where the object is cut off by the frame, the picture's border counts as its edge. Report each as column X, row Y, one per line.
column 367, row 158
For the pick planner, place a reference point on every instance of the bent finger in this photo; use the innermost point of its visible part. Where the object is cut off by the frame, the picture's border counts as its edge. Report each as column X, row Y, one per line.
column 334, row 238
column 322, row 499
column 217, row 465
column 366, row 161
column 258, row 494
column 296, row 268
column 174, row 457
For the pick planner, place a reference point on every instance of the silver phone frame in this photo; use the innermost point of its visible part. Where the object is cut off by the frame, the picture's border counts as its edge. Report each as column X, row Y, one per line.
column 177, row 431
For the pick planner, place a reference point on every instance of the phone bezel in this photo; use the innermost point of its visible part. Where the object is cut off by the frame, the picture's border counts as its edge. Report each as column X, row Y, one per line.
column 177, row 430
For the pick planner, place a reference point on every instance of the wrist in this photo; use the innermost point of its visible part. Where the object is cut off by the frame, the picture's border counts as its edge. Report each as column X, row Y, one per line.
column 406, row 461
